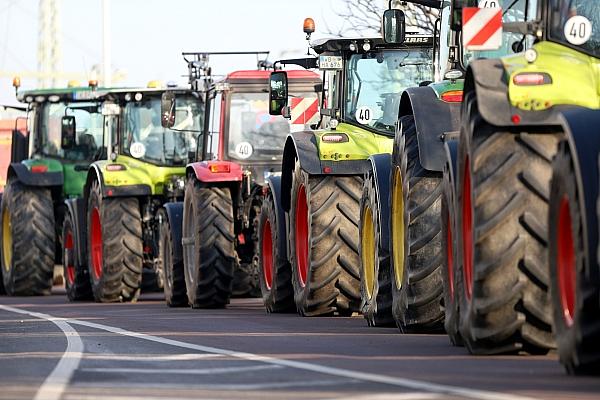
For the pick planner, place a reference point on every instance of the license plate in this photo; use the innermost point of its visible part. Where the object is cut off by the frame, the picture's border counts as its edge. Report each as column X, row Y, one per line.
column 330, row 62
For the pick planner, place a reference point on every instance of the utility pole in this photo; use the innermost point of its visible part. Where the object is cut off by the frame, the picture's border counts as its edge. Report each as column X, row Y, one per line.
column 106, row 67
column 49, row 42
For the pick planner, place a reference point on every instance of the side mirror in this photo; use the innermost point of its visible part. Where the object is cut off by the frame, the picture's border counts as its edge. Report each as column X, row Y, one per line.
column 278, row 92
column 67, row 132
column 393, row 26
column 167, row 109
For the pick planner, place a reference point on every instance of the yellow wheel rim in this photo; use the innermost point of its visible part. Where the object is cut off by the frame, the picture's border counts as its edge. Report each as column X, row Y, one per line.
column 398, row 227
column 368, row 251
column 6, row 239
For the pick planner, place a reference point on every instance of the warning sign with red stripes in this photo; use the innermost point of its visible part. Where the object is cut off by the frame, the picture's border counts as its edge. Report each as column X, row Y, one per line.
column 304, row 110
column 482, row 28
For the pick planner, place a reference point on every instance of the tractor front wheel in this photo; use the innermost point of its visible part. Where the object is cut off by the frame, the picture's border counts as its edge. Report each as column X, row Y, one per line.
column 115, row 249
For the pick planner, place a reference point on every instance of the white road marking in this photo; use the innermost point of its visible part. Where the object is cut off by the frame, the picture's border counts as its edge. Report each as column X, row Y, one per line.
column 396, row 396
column 189, row 371
column 55, row 384
column 332, row 371
column 153, row 358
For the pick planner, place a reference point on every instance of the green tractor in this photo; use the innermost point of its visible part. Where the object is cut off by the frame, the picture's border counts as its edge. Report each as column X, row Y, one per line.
column 47, row 168
column 309, row 227
column 110, row 232
column 516, row 111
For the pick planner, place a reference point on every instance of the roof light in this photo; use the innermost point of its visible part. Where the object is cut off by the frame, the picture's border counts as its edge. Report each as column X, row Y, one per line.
column 219, row 168
column 16, row 82
column 93, row 83
column 39, row 169
column 138, row 97
column 532, row 79
column 366, row 46
column 116, row 167
column 309, row 26
column 154, row 84
column 40, row 99
column 352, row 47
column 73, row 83
column 334, row 138
column 452, row 96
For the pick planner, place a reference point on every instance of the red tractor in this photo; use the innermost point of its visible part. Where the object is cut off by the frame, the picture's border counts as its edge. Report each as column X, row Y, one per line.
column 207, row 243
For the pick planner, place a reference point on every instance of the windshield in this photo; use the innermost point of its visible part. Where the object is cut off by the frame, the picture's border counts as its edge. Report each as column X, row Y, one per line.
column 375, row 82
column 88, row 123
column 256, row 135
column 147, row 140
column 512, row 11
column 576, row 23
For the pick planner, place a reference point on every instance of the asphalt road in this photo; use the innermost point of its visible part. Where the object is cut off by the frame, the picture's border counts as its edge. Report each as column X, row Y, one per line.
column 53, row 349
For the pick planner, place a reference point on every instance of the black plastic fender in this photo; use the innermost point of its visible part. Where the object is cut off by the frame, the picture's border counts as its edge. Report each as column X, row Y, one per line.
column 381, row 165
column 302, row 146
column 77, row 210
column 175, row 216
column 582, row 131
column 24, row 175
column 274, row 186
column 488, row 78
column 433, row 117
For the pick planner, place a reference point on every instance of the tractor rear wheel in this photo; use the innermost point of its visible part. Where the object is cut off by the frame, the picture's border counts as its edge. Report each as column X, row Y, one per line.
column 452, row 282
column 275, row 271
column 416, row 237
column 504, row 181
column 28, row 240
column 174, row 275
column 324, row 243
column 115, row 249
column 209, row 254
column 375, row 271
column 77, row 278
column 574, row 295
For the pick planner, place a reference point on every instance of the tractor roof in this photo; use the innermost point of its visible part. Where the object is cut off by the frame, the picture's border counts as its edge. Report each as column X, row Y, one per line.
column 261, row 76
column 343, row 45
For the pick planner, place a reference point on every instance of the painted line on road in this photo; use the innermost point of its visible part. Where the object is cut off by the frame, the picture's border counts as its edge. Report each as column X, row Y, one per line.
column 169, row 357
column 55, row 384
column 189, row 371
column 332, row 371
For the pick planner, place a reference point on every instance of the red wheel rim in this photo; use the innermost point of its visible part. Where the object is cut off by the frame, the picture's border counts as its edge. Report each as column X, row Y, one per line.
column 267, row 254
column 449, row 255
column 96, row 239
column 467, row 230
column 69, row 257
column 566, row 262
column 302, row 235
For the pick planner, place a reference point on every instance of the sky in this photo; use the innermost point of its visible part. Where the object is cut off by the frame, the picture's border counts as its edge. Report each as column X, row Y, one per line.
column 148, row 36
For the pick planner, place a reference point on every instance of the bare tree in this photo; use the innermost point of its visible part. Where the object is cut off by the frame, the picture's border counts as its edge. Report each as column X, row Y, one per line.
column 363, row 17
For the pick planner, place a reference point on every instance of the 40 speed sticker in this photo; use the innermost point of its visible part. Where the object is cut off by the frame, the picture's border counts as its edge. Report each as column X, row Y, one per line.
column 578, row 30
column 137, row 150
column 364, row 115
column 243, row 150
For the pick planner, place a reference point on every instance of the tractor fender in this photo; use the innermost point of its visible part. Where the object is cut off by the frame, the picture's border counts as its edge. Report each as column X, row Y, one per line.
column 578, row 125
column 95, row 173
column 274, row 187
column 24, row 175
column 423, row 104
column 487, row 77
column 302, row 146
column 77, row 210
column 381, row 165
column 202, row 171
column 174, row 211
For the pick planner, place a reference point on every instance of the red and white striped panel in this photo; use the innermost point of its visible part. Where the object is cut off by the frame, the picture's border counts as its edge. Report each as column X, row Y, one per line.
column 482, row 28
column 304, row 110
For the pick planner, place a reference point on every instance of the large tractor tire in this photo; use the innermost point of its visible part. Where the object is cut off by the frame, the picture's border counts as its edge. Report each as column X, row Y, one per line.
column 575, row 297
column 323, row 234
column 115, row 246
column 417, row 286
column 275, row 274
column 375, row 271
column 76, row 273
column 209, row 255
column 174, row 274
column 452, row 282
column 504, row 182
column 28, row 240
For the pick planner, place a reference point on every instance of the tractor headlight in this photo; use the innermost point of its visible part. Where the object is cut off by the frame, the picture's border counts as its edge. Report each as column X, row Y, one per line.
column 174, row 186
